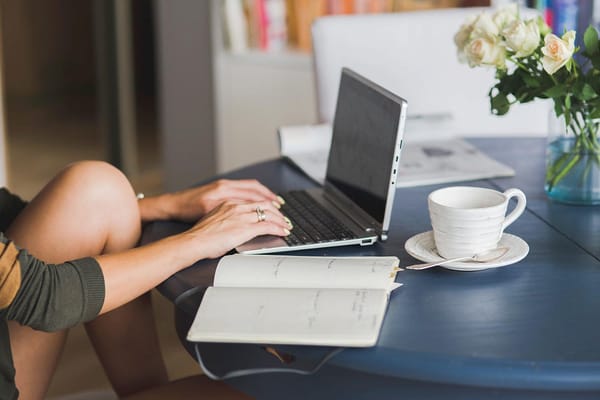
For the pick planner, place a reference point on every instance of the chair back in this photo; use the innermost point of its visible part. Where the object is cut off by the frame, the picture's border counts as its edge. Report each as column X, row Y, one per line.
column 413, row 54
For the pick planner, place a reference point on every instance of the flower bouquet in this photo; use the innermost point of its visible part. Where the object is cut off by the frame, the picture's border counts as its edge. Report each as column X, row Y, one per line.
column 532, row 62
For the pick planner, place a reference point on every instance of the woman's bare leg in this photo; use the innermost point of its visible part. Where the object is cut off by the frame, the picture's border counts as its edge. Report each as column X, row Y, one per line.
column 193, row 387
column 88, row 209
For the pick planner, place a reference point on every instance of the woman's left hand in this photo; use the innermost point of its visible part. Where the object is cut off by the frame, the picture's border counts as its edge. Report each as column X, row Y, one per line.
column 191, row 204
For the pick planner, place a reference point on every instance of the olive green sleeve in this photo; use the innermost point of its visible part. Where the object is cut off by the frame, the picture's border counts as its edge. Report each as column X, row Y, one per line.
column 48, row 297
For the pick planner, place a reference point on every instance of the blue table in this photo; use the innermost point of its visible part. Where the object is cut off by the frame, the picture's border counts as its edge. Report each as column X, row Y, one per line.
column 525, row 331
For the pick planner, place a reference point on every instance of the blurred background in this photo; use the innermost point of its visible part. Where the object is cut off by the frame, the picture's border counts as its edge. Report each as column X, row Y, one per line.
column 88, row 79
column 54, row 116
column 51, row 90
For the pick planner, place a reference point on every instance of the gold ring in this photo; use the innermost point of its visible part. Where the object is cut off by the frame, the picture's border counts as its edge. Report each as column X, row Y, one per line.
column 260, row 214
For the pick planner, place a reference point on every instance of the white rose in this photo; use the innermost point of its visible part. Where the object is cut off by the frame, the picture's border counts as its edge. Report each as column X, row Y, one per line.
column 522, row 37
column 482, row 51
column 463, row 36
column 557, row 51
column 506, row 15
column 486, row 28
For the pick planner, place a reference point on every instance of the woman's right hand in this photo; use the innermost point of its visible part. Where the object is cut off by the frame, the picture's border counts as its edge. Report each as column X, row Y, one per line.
column 233, row 223
column 128, row 274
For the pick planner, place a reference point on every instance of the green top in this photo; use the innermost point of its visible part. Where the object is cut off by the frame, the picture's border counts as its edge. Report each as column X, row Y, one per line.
column 47, row 297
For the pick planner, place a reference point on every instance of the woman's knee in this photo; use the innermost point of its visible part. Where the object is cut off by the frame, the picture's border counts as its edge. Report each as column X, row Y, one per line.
column 89, row 203
column 98, row 179
column 105, row 193
column 97, row 182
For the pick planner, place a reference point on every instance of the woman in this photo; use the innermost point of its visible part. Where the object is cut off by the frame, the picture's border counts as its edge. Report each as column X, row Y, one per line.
column 90, row 214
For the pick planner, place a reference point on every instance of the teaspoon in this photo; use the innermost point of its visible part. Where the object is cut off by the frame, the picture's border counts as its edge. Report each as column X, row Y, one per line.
column 486, row 256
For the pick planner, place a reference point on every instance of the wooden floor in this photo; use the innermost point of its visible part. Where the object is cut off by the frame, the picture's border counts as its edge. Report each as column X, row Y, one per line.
column 42, row 140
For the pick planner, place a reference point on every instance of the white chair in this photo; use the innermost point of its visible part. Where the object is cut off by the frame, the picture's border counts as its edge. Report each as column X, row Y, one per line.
column 413, row 54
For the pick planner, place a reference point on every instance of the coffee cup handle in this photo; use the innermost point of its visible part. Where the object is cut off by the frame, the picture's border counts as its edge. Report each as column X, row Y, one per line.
column 521, row 203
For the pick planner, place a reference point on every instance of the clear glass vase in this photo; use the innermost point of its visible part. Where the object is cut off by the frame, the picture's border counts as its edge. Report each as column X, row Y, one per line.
column 573, row 161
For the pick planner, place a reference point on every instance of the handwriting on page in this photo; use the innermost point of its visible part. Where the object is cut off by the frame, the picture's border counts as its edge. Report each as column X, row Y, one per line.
column 320, row 306
column 306, row 272
column 332, row 264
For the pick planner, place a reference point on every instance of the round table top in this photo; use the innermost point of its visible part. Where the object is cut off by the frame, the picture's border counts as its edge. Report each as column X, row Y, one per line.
column 534, row 324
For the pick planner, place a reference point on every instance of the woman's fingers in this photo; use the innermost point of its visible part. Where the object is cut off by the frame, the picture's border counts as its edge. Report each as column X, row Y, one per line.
column 233, row 223
column 193, row 203
column 245, row 189
column 261, row 212
column 252, row 185
column 237, row 215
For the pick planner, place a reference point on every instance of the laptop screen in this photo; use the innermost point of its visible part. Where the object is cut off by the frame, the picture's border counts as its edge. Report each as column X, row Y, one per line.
column 362, row 148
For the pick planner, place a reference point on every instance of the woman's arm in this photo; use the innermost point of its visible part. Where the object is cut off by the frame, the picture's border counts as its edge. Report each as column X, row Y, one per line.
column 48, row 297
column 131, row 273
column 56, row 296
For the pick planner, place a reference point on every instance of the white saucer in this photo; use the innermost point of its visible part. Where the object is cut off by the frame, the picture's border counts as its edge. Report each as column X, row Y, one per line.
column 422, row 247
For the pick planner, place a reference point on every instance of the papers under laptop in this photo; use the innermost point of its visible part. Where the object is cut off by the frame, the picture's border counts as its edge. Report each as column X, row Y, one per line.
column 430, row 155
column 354, row 204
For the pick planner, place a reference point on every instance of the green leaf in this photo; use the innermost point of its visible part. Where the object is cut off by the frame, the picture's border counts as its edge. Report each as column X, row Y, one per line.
column 587, row 92
column 567, row 110
column 530, row 80
column 595, row 114
column 499, row 104
column 594, row 104
column 558, row 109
column 593, row 79
column 556, row 91
column 590, row 38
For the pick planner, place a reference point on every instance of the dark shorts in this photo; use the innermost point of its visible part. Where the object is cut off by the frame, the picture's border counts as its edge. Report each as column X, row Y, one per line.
column 10, row 206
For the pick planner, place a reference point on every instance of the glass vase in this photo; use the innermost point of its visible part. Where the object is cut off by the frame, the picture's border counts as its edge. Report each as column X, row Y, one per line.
column 573, row 161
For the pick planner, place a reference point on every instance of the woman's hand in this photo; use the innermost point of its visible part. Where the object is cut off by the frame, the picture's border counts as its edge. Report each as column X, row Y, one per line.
column 129, row 273
column 191, row 204
column 234, row 222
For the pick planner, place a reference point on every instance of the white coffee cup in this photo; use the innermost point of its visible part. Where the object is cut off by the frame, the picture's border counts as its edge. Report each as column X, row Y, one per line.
column 469, row 220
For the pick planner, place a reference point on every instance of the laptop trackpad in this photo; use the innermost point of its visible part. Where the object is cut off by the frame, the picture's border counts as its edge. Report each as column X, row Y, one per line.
column 262, row 242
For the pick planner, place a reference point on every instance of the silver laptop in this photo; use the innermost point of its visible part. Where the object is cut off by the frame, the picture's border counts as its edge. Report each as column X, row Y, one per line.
column 354, row 206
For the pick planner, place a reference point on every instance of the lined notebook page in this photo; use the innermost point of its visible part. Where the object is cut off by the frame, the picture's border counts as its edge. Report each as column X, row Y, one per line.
column 330, row 317
column 306, row 272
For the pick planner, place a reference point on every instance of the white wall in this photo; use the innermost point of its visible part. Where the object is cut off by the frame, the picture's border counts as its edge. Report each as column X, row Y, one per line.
column 256, row 94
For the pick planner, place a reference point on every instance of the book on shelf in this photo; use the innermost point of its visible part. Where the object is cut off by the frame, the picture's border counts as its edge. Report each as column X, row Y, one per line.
column 275, row 25
column 564, row 15
column 235, row 26
column 424, row 160
column 268, row 299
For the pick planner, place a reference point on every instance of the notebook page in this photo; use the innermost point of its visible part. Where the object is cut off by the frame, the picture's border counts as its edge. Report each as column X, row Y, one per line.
column 334, row 317
column 312, row 272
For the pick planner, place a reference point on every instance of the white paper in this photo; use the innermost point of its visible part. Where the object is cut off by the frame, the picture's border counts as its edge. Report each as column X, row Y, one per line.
column 308, row 147
column 426, row 158
column 306, row 272
column 328, row 317
column 330, row 301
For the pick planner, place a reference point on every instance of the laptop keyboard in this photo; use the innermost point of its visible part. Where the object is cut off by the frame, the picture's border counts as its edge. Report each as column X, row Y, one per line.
column 312, row 222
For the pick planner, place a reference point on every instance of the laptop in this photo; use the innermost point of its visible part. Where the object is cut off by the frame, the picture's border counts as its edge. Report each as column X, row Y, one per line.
column 354, row 205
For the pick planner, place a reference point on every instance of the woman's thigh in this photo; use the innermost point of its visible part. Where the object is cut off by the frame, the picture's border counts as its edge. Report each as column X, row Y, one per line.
column 87, row 209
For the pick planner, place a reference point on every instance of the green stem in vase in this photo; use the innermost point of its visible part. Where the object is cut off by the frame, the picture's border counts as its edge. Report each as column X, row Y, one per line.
column 564, row 171
column 588, row 167
column 586, row 146
column 556, row 166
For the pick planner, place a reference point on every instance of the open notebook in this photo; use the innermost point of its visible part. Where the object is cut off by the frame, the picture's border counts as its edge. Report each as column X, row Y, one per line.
column 271, row 299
